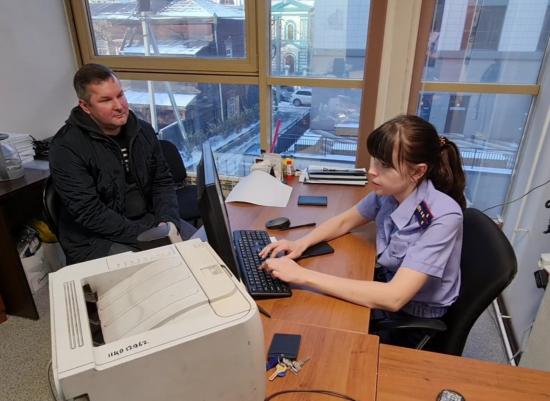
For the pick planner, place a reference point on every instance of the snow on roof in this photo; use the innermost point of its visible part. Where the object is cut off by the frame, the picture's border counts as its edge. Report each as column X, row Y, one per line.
column 175, row 9
column 112, row 11
column 199, row 9
column 177, row 47
column 161, row 99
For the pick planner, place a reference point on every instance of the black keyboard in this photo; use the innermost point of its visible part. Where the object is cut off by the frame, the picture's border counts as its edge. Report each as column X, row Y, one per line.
column 259, row 283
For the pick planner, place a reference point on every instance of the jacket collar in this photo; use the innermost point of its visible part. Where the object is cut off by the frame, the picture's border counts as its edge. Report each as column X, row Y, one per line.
column 404, row 212
column 82, row 120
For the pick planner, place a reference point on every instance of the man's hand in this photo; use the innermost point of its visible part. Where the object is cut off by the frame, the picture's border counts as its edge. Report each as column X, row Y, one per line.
column 173, row 234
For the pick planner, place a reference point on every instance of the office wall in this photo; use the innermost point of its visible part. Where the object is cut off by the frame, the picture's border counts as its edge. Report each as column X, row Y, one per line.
column 36, row 68
column 525, row 220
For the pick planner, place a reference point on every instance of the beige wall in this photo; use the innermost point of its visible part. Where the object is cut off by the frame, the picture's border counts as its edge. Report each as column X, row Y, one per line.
column 36, row 67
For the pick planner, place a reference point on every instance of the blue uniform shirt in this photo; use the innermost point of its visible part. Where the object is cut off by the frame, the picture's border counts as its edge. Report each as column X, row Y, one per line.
column 427, row 239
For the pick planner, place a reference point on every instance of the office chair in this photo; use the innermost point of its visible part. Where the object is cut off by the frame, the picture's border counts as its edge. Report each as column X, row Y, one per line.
column 51, row 204
column 187, row 194
column 488, row 264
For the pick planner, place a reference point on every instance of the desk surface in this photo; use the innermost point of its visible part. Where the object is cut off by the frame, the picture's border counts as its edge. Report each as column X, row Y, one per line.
column 354, row 255
column 411, row 375
column 341, row 361
column 31, row 177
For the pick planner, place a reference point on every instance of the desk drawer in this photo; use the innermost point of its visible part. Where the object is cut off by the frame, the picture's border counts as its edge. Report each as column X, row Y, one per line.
column 2, row 310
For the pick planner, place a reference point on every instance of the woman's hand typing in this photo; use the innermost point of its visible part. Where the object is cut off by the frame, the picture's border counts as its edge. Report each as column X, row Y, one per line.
column 292, row 249
column 285, row 269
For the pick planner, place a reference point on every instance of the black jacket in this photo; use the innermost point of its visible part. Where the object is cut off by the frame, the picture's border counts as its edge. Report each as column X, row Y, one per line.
column 88, row 174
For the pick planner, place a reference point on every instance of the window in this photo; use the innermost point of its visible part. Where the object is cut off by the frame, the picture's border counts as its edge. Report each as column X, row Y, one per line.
column 290, row 29
column 180, row 29
column 196, row 35
column 471, row 41
column 188, row 113
column 330, row 38
column 317, row 76
column 248, row 75
column 318, row 124
column 479, row 80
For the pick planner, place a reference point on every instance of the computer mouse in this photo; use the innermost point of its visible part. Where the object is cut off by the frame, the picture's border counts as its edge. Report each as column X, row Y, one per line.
column 278, row 223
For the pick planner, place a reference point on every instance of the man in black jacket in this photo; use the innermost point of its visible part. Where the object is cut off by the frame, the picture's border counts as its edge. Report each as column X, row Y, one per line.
column 109, row 172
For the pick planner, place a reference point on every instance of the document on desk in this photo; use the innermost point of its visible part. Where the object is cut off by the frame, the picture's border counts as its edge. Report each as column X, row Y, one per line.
column 260, row 188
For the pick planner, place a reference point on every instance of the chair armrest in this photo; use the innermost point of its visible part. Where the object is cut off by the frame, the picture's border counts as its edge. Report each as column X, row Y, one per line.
column 411, row 323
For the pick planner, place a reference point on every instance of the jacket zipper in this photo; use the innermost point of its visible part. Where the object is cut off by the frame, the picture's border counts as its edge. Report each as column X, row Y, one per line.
column 131, row 162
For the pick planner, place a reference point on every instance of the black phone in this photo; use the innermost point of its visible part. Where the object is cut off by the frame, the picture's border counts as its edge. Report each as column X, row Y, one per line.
column 284, row 346
column 321, row 248
column 308, row 200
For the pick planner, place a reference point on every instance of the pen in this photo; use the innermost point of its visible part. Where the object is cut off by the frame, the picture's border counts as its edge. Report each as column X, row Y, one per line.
column 298, row 226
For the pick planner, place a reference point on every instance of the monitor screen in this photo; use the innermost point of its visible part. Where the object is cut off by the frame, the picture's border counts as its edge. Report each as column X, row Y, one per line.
column 213, row 211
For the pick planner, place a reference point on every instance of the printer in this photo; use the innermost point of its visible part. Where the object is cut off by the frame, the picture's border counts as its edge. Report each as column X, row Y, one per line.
column 175, row 324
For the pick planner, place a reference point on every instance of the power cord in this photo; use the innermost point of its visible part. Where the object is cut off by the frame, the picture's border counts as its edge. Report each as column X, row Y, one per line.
column 316, row 391
column 521, row 197
column 50, row 381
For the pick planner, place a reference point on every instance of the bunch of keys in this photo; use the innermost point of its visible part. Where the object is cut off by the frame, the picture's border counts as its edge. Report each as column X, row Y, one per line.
column 285, row 364
column 295, row 366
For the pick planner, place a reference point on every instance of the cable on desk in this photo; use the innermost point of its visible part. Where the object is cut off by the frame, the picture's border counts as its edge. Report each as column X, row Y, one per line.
column 316, row 391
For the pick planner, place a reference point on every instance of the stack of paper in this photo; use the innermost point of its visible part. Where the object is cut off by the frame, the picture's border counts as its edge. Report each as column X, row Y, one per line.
column 335, row 175
column 23, row 144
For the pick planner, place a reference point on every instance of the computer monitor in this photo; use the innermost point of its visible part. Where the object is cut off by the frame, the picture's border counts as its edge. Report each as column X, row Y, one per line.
column 213, row 210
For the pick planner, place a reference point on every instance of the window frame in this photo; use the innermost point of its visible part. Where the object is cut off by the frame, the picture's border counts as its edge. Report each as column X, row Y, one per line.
column 418, row 85
column 85, row 44
column 255, row 69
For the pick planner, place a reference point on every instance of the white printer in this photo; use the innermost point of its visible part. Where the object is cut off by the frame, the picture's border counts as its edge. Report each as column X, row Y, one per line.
column 176, row 325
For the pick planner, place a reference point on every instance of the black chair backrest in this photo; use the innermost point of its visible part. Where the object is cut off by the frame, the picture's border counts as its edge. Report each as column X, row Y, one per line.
column 175, row 163
column 488, row 265
column 51, row 203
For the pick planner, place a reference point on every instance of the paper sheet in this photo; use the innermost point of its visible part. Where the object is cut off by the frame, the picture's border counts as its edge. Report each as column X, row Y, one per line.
column 261, row 189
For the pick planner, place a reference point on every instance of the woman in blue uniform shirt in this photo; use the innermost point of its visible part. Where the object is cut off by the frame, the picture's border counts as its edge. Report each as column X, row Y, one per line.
column 416, row 203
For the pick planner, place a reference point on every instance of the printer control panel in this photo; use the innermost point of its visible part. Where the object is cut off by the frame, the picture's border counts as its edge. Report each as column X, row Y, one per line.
column 129, row 259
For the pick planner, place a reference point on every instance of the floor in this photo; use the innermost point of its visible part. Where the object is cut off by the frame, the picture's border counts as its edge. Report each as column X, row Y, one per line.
column 25, row 351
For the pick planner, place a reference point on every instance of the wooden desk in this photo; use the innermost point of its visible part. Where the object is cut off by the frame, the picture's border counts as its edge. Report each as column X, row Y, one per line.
column 20, row 200
column 410, row 375
column 354, row 255
column 341, row 361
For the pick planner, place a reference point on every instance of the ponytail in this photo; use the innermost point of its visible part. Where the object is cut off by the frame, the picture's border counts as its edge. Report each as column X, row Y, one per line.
column 447, row 174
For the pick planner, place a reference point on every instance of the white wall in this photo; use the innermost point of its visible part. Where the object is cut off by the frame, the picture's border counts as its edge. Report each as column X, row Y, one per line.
column 36, row 68
column 525, row 220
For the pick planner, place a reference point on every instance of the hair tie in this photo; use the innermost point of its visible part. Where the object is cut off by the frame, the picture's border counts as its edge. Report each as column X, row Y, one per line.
column 442, row 141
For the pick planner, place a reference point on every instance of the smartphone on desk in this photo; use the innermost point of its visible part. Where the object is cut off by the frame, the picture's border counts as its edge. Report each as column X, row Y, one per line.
column 309, row 200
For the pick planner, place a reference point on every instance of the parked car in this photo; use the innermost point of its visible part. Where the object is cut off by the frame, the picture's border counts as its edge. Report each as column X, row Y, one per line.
column 285, row 93
column 301, row 97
